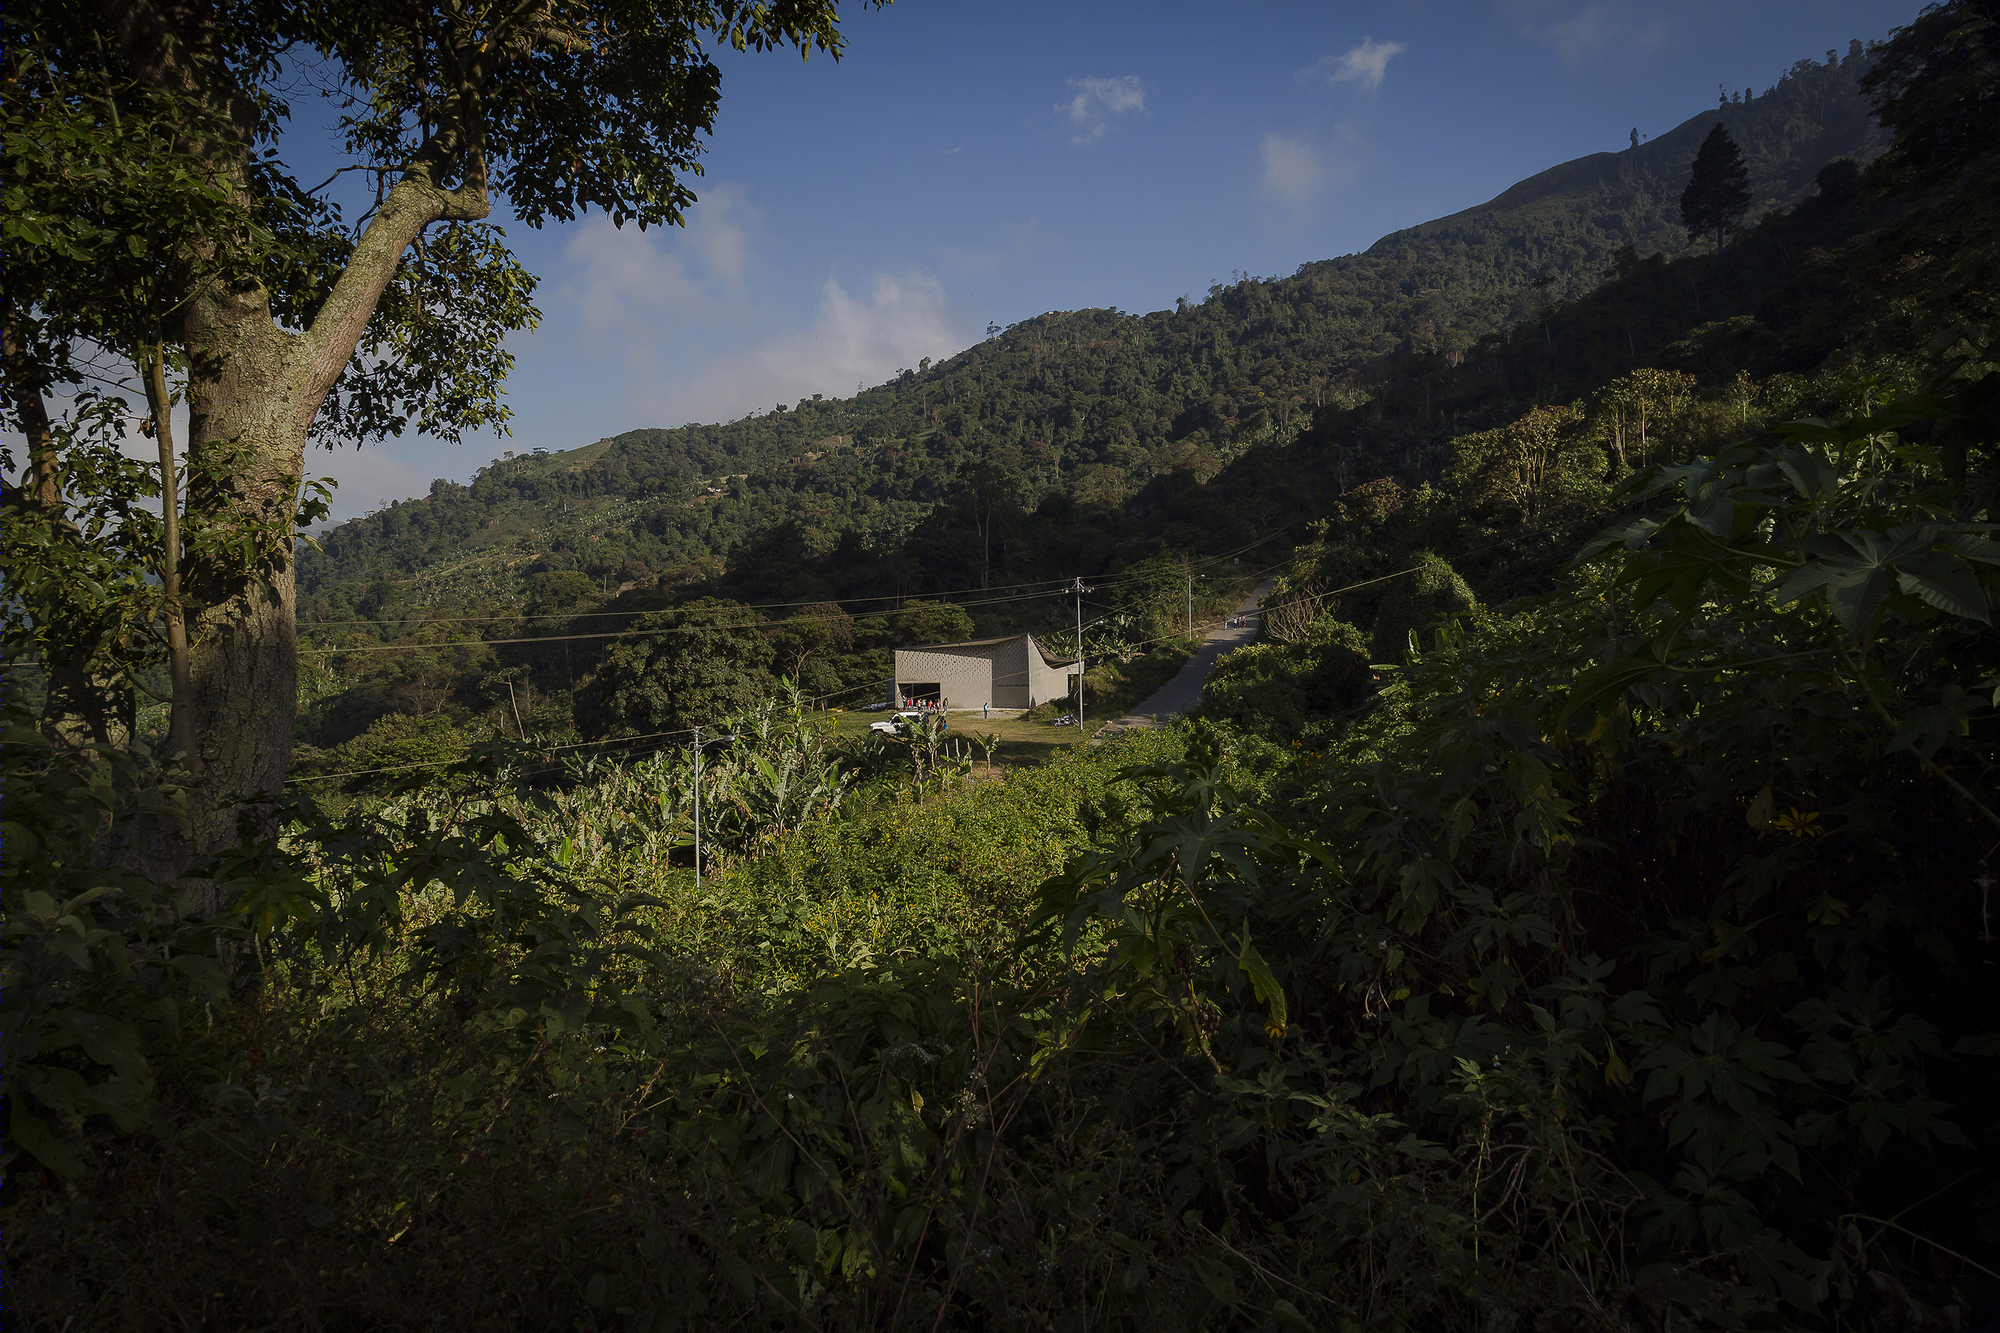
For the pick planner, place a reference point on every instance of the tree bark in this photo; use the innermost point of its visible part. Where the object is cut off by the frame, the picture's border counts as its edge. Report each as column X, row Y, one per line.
column 253, row 388
column 179, row 667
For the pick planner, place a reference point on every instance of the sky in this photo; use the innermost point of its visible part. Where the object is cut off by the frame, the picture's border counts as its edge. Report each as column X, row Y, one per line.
column 965, row 165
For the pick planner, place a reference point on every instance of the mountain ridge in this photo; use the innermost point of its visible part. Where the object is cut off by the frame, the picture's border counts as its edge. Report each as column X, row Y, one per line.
column 1095, row 405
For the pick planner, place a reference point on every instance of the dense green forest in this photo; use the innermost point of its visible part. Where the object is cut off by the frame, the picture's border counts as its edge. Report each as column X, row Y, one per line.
column 1086, row 442
column 1574, row 912
column 1093, row 404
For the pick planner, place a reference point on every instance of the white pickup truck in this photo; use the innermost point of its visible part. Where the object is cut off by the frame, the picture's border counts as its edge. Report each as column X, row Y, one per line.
column 900, row 722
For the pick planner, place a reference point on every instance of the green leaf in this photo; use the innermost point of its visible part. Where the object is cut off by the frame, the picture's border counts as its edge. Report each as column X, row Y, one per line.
column 1811, row 475
column 1221, row 1283
column 1262, row 982
column 1288, row 1314
column 33, row 1135
column 1946, row 583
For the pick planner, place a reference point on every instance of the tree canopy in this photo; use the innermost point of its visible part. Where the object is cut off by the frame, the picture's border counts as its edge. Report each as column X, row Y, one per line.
column 154, row 216
column 678, row 669
column 1938, row 87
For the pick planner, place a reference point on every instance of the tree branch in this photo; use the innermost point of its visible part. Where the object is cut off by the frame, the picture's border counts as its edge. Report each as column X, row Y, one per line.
column 413, row 203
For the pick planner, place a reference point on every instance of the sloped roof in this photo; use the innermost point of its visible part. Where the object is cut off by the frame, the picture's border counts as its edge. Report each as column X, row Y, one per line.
column 988, row 643
column 958, row 643
column 1046, row 659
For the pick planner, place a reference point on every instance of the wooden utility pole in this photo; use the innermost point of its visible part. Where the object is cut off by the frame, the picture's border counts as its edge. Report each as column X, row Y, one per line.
column 1078, row 588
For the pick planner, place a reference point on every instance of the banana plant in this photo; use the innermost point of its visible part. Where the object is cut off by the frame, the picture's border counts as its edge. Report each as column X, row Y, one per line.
column 780, row 773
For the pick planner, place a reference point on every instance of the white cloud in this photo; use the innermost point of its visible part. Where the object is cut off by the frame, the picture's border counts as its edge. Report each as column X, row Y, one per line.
column 1365, row 64
column 626, row 280
column 1584, row 33
column 1096, row 101
column 854, row 340
column 717, row 229
column 665, row 327
column 637, row 307
column 1294, row 172
column 1020, row 242
column 375, row 475
column 623, row 281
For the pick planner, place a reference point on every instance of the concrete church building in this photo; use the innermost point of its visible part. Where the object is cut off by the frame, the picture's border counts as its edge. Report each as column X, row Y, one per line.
column 1013, row 672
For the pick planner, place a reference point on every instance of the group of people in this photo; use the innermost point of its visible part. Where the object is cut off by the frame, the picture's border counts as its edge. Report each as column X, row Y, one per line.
column 908, row 705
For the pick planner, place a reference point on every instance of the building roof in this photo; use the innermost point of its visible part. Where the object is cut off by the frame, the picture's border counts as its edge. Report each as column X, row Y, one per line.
column 1046, row 659
column 988, row 643
column 958, row 643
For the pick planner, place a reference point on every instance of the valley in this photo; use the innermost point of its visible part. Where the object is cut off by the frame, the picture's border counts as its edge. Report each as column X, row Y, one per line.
column 1560, row 901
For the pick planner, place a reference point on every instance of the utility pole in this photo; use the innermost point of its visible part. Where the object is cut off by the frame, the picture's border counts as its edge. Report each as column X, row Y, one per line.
column 1078, row 588
column 516, row 706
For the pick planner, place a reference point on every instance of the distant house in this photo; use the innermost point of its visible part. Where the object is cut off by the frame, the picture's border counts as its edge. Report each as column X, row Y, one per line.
column 1014, row 672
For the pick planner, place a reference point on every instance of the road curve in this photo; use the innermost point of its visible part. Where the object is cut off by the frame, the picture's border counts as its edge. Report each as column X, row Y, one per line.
column 1184, row 690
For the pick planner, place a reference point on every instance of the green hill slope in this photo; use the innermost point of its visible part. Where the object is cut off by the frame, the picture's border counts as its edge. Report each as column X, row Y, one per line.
column 1124, row 447
column 1091, row 405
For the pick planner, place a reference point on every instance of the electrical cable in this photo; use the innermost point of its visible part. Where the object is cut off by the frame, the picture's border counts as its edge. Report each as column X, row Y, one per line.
column 1109, row 581
column 627, row 741
column 570, row 745
column 617, row 634
column 643, row 736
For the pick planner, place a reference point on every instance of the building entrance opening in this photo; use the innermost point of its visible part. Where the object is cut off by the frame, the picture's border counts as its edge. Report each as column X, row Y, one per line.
column 920, row 694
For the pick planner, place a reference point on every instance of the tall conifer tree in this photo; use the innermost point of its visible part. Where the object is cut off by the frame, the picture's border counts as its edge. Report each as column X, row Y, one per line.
column 1718, row 194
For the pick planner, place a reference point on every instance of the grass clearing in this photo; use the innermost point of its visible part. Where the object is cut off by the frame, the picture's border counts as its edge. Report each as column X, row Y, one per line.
column 1030, row 737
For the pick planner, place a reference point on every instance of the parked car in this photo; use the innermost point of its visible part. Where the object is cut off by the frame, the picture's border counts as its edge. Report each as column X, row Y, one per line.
column 907, row 720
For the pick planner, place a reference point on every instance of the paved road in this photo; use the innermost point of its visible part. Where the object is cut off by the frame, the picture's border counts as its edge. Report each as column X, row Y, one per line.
column 1180, row 694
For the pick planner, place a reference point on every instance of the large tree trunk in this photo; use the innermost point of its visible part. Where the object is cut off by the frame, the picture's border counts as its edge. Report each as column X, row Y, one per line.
column 253, row 389
column 246, row 448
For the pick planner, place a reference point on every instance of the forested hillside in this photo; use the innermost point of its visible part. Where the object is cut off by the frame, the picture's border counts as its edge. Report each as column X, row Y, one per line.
column 1093, row 404
column 1088, row 442
column 1574, row 912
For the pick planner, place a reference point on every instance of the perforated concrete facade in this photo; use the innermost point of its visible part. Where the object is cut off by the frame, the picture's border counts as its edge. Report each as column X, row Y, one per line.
column 1012, row 672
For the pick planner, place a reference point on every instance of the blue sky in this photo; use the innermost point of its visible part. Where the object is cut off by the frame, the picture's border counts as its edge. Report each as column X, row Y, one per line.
column 966, row 164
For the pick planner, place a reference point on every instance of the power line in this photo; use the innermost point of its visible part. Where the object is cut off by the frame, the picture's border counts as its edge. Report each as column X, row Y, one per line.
column 569, row 745
column 754, row 606
column 1109, row 581
column 686, row 629
column 592, row 615
column 447, row 763
column 626, row 741
column 622, row 742
column 619, row 634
